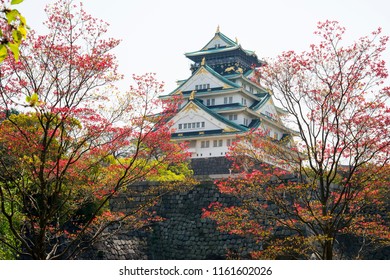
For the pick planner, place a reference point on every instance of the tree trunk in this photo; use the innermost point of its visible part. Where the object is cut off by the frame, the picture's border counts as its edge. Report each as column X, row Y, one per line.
column 327, row 253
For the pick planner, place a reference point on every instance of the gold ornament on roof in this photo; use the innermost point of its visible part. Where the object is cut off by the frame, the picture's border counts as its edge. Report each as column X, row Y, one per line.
column 236, row 40
column 217, row 29
column 203, row 61
column 192, row 95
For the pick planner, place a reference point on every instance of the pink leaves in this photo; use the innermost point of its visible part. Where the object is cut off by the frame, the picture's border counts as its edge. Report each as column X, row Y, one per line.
column 335, row 92
column 330, row 30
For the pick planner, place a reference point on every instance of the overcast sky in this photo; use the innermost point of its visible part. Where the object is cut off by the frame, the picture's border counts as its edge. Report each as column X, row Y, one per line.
column 156, row 34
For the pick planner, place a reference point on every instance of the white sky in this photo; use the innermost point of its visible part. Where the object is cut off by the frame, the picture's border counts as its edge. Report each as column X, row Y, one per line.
column 156, row 34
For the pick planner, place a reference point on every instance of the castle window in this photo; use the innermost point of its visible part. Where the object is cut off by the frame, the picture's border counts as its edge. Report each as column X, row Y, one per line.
column 233, row 117
column 217, row 143
column 205, row 144
column 196, row 87
column 193, row 125
column 210, row 102
column 228, row 100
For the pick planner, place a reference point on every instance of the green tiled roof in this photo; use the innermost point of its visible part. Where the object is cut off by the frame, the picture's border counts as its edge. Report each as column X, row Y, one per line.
column 222, row 107
column 214, row 73
column 203, row 92
column 260, row 103
column 218, row 50
column 209, row 51
column 206, row 134
column 254, row 124
column 220, row 77
column 247, row 73
column 224, row 38
column 231, row 45
column 217, row 116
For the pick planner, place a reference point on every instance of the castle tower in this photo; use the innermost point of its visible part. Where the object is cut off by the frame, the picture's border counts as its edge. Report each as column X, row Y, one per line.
column 222, row 99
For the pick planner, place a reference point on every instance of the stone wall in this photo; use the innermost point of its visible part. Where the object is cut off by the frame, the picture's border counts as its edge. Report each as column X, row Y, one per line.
column 210, row 166
column 183, row 234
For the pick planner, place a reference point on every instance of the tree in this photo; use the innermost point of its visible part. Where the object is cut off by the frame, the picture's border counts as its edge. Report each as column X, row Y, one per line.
column 13, row 30
column 77, row 142
column 335, row 180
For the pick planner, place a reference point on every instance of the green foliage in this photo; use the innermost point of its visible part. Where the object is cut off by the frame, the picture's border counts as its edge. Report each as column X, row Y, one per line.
column 12, row 37
column 172, row 173
column 32, row 100
column 14, row 2
column 3, row 52
column 6, row 253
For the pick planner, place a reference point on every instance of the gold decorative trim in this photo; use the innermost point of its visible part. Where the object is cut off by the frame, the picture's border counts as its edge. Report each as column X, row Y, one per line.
column 228, row 129
column 202, row 71
column 190, row 107
column 192, row 95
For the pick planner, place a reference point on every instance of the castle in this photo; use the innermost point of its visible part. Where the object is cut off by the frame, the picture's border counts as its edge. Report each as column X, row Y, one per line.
column 223, row 99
